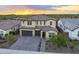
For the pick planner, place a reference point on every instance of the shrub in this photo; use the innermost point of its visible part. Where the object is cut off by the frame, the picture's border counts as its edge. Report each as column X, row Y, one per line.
column 73, row 44
column 59, row 40
column 10, row 38
column 2, row 46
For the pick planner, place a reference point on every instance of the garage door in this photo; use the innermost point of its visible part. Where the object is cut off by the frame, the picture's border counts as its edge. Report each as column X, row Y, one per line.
column 27, row 33
column 37, row 33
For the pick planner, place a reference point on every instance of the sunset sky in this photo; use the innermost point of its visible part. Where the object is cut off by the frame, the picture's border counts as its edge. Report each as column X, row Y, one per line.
column 38, row 9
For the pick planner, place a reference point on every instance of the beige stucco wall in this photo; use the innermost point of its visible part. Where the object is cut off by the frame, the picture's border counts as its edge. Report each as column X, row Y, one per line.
column 34, row 23
column 47, row 33
column 33, row 32
column 53, row 23
column 25, row 24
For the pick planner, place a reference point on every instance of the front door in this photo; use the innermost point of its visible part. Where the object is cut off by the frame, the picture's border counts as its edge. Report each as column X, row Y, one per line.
column 43, row 34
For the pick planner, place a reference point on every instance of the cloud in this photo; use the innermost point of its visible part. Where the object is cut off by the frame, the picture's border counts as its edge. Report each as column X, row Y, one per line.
column 12, row 7
column 38, row 9
column 56, row 7
column 70, row 8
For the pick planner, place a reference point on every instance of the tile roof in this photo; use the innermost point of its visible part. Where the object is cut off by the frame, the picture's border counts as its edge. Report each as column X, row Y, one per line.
column 8, row 24
column 24, row 27
column 43, row 28
column 37, row 17
column 46, row 28
column 70, row 23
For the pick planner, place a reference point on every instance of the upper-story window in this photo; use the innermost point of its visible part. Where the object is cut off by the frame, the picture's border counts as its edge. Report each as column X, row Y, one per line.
column 50, row 22
column 29, row 22
column 36, row 22
column 23, row 21
column 78, row 33
column 40, row 22
column 44, row 22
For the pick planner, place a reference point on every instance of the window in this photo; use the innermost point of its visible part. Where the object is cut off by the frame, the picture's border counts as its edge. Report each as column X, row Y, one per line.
column 37, row 23
column 50, row 34
column 1, row 33
column 44, row 23
column 50, row 22
column 29, row 23
column 23, row 21
column 78, row 33
column 40, row 23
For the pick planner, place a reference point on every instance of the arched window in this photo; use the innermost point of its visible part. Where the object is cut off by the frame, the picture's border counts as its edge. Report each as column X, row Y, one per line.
column 40, row 22
column 50, row 22
column 44, row 22
column 36, row 22
column 29, row 23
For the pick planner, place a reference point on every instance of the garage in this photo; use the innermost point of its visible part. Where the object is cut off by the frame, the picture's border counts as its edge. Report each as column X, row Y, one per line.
column 26, row 33
column 37, row 33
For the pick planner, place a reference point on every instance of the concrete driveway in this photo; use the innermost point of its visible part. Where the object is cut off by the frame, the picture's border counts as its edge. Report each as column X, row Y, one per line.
column 27, row 43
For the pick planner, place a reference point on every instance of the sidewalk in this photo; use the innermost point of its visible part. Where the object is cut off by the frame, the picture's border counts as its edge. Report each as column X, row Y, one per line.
column 42, row 48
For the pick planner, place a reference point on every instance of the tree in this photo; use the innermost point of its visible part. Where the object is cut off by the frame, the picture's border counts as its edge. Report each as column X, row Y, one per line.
column 59, row 40
column 10, row 38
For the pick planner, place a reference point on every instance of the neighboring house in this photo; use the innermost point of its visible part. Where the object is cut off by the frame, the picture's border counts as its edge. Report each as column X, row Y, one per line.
column 71, row 26
column 38, row 25
column 6, row 26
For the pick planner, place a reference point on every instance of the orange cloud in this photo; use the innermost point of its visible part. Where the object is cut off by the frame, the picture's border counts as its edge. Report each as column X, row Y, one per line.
column 61, row 10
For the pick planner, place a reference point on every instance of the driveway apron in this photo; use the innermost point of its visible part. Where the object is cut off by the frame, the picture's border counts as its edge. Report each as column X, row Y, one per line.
column 27, row 43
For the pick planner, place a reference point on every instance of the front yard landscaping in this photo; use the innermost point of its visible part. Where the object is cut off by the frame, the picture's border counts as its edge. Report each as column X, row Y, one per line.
column 60, row 43
column 7, row 41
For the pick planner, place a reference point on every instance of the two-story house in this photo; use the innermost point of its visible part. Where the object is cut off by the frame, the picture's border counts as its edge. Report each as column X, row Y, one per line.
column 38, row 25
